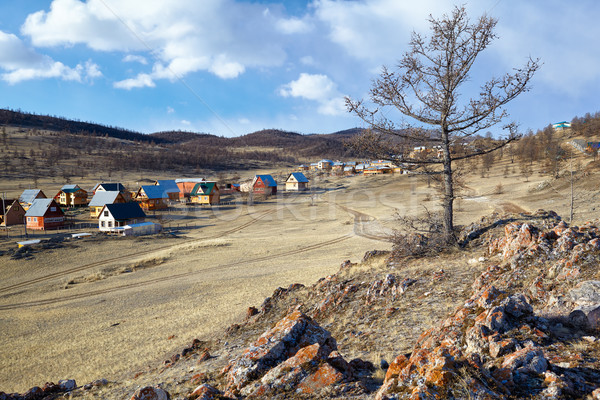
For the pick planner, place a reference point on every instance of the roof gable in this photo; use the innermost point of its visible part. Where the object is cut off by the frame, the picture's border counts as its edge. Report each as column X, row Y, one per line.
column 101, row 198
column 168, row 185
column 297, row 177
column 29, row 195
column 154, row 192
column 110, row 187
column 267, row 180
column 123, row 211
column 71, row 189
column 204, row 188
column 39, row 207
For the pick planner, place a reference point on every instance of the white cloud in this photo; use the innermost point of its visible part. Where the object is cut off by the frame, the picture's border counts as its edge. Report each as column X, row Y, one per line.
column 292, row 26
column 223, row 37
column 186, row 122
column 135, row 58
column 140, row 81
column 244, row 121
column 23, row 63
column 170, row 110
column 318, row 88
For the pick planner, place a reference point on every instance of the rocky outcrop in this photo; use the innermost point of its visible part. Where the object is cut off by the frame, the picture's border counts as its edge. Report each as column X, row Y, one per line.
column 150, row 393
column 49, row 390
column 295, row 356
column 504, row 342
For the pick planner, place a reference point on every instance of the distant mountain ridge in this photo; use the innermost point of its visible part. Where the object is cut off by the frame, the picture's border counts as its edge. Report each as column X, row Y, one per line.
column 331, row 144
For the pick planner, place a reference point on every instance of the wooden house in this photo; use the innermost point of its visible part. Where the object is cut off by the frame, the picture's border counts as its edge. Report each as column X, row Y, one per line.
column 325, row 165
column 29, row 195
column 44, row 214
column 11, row 213
column 112, row 187
column 71, row 196
column 205, row 193
column 296, row 181
column 264, row 184
column 152, row 197
column 170, row 187
column 186, row 185
column 102, row 198
column 118, row 215
column 303, row 167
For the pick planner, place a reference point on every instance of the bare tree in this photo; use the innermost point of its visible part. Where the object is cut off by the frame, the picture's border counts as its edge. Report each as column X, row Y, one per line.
column 426, row 88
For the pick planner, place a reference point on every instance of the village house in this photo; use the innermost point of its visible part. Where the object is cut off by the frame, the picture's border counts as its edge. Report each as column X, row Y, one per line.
column 186, row 185
column 102, row 198
column 112, row 187
column 44, row 214
column 118, row 215
column 11, row 213
column 303, row 167
column 170, row 188
column 205, row 193
column 349, row 169
column 314, row 166
column 29, row 195
column 325, row 165
column 71, row 196
column 152, row 197
column 264, row 184
column 296, row 181
column 337, row 167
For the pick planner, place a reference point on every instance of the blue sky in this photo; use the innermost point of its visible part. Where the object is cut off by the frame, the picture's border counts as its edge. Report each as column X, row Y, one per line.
column 231, row 67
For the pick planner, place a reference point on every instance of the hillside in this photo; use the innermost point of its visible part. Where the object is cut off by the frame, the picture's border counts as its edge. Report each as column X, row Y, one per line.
column 510, row 316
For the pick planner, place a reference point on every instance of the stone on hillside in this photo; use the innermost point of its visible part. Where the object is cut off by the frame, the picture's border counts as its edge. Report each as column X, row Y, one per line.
column 586, row 293
column 204, row 392
column 150, row 393
column 295, row 337
column 585, row 317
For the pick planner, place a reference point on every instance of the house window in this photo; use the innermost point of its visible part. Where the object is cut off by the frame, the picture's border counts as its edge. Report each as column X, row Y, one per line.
column 110, row 224
column 102, row 224
column 106, row 213
column 28, row 219
column 52, row 208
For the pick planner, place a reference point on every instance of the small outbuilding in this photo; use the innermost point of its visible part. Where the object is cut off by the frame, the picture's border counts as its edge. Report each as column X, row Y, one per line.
column 141, row 229
column 119, row 215
column 44, row 214
column 296, row 181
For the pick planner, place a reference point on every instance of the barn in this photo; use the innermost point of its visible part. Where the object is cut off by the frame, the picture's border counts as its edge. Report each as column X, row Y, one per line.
column 264, row 184
column 44, row 214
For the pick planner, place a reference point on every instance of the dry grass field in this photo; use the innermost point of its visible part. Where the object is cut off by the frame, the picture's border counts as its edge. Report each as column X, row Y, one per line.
column 100, row 307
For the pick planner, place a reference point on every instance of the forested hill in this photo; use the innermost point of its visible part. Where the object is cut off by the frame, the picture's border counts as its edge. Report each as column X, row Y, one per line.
column 313, row 145
column 46, row 122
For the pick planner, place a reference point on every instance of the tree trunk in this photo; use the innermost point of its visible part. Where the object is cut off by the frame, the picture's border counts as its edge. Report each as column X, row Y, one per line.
column 448, row 200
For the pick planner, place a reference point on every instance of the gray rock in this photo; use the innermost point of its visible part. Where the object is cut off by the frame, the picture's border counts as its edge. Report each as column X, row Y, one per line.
column 586, row 294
